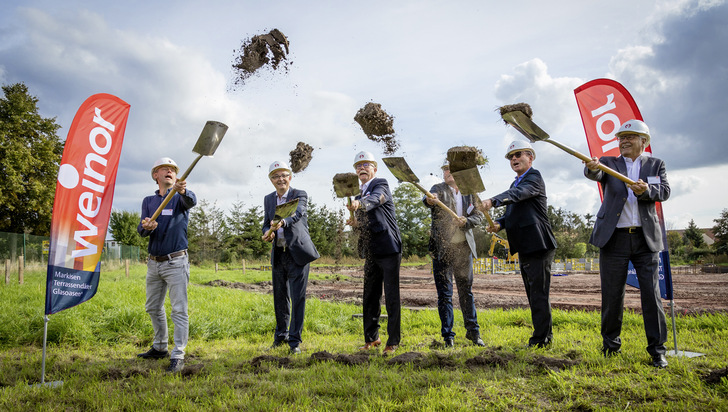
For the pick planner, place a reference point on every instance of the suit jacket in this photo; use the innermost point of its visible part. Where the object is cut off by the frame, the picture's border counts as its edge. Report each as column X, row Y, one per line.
column 295, row 229
column 526, row 218
column 652, row 171
column 378, row 230
column 443, row 224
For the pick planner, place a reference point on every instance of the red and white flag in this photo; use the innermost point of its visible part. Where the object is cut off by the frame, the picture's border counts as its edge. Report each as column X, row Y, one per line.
column 82, row 206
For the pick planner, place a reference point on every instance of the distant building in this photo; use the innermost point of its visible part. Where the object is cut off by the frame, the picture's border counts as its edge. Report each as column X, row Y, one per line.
column 708, row 236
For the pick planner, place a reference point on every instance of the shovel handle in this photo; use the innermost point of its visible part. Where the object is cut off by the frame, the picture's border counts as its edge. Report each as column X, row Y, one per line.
column 586, row 158
column 270, row 229
column 437, row 201
column 171, row 193
column 351, row 212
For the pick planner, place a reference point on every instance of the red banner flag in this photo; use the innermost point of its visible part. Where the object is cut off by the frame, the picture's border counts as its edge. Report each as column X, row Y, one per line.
column 82, row 206
column 604, row 106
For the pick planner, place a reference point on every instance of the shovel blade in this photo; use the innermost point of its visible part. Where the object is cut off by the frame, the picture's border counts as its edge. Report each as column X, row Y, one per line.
column 346, row 184
column 468, row 181
column 285, row 210
column 525, row 125
column 400, row 169
column 210, row 138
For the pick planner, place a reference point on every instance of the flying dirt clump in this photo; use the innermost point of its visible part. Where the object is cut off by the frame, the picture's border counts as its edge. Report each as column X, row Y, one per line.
column 300, row 157
column 260, row 50
column 378, row 126
column 524, row 108
column 465, row 157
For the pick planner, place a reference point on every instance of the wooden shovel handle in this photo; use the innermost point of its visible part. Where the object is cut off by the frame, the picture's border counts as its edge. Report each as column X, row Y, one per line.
column 437, row 201
column 270, row 229
column 586, row 158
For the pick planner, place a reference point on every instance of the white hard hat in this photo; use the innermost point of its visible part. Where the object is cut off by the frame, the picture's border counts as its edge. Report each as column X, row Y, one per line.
column 637, row 127
column 364, row 157
column 520, row 145
column 445, row 165
column 164, row 161
column 278, row 165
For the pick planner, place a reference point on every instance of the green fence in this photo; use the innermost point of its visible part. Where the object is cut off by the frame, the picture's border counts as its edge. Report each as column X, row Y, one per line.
column 34, row 249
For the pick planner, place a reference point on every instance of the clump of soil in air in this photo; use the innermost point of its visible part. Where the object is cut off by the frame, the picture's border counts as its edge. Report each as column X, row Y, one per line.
column 465, row 157
column 518, row 107
column 378, row 126
column 300, row 157
column 269, row 49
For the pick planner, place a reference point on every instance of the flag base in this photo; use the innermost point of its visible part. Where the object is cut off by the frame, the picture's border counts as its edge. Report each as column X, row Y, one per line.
column 54, row 384
column 684, row 354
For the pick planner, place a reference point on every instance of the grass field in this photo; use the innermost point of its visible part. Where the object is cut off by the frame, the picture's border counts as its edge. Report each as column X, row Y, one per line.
column 92, row 350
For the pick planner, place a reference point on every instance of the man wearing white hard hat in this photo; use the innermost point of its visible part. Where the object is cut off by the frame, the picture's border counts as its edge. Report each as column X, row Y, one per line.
column 452, row 246
column 529, row 234
column 168, row 266
column 291, row 255
column 380, row 245
column 627, row 229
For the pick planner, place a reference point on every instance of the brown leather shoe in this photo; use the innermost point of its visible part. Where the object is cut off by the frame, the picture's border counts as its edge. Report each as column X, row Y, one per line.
column 371, row 345
column 389, row 350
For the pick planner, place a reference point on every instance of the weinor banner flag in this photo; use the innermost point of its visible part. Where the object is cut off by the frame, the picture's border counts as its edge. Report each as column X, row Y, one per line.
column 82, row 206
column 604, row 105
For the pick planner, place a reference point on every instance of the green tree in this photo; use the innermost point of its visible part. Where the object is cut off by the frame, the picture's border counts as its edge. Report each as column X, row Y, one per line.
column 413, row 219
column 206, row 232
column 243, row 240
column 694, row 235
column 720, row 230
column 326, row 228
column 30, row 154
column 123, row 227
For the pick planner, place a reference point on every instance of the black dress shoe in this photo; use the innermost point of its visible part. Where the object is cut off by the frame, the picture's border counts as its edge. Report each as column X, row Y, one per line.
column 153, row 354
column 659, row 361
column 277, row 343
column 478, row 342
column 295, row 350
column 610, row 352
column 176, row 366
column 540, row 345
column 449, row 343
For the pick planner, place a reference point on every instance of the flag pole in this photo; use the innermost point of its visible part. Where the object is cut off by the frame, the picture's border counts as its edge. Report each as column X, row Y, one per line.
column 42, row 383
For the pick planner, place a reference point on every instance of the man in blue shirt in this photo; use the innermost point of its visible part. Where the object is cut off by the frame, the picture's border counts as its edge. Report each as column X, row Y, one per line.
column 168, row 266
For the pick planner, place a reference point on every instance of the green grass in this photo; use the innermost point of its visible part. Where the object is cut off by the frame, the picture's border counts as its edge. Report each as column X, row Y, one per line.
column 92, row 349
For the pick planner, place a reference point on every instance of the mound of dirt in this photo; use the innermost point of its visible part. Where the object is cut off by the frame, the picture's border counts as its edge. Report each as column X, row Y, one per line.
column 300, row 157
column 378, row 125
column 465, row 157
column 525, row 108
column 269, row 49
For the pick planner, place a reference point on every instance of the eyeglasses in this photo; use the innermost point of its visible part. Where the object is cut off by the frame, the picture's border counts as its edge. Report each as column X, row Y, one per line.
column 517, row 155
column 628, row 137
column 363, row 165
column 280, row 176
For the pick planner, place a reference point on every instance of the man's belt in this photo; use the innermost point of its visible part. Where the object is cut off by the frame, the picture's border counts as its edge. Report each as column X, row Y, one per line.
column 631, row 229
column 165, row 258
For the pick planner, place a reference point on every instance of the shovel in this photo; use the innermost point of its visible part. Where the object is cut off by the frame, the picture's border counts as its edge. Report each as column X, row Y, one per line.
column 401, row 170
column 206, row 145
column 283, row 211
column 523, row 123
column 470, row 183
column 346, row 185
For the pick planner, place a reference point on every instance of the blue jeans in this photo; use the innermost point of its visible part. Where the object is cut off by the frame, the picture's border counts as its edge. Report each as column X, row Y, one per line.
column 173, row 274
column 456, row 263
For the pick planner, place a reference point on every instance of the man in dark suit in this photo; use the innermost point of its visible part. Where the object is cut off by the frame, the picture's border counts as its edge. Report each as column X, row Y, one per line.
column 452, row 246
column 292, row 253
column 627, row 229
column 380, row 246
column 529, row 234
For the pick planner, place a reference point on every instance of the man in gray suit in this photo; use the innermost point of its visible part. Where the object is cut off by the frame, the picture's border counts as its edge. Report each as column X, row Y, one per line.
column 627, row 229
column 452, row 247
column 292, row 253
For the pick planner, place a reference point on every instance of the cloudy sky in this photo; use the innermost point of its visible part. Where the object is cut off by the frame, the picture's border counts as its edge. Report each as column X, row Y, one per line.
column 440, row 68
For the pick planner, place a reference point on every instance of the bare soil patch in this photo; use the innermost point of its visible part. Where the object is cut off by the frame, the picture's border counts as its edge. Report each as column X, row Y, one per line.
column 695, row 293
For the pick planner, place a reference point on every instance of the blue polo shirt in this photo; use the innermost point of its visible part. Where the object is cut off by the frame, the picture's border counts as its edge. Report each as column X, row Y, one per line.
column 171, row 232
